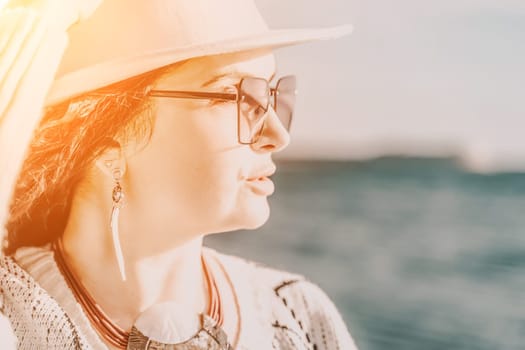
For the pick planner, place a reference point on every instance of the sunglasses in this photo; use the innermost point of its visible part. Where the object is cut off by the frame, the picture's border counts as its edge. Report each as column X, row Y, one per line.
column 253, row 96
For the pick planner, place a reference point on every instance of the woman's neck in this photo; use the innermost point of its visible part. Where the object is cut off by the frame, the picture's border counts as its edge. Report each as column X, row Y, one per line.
column 153, row 274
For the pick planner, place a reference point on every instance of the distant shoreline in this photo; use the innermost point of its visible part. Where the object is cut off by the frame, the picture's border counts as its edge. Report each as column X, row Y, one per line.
column 450, row 162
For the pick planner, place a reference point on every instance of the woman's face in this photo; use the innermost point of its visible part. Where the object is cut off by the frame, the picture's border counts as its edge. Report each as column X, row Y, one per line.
column 193, row 174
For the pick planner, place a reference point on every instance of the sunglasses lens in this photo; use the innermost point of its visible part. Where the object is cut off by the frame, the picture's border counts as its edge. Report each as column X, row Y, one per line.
column 285, row 99
column 254, row 100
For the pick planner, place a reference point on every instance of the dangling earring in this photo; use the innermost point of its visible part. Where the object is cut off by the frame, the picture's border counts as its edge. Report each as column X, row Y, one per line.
column 117, row 196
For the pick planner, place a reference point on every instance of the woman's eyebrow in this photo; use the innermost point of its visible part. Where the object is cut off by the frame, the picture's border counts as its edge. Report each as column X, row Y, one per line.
column 218, row 78
column 230, row 75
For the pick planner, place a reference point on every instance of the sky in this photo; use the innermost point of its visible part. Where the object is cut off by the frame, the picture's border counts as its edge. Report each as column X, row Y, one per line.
column 435, row 77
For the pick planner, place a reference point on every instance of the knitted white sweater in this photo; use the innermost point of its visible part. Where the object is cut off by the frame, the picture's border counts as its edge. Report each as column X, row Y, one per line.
column 279, row 310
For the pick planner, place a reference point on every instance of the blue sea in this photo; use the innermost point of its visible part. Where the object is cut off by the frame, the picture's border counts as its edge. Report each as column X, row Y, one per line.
column 417, row 253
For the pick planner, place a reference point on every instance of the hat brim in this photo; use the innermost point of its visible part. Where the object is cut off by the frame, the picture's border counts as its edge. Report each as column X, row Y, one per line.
column 87, row 79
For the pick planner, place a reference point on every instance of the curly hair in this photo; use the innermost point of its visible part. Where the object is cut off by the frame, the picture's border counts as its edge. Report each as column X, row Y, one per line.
column 69, row 138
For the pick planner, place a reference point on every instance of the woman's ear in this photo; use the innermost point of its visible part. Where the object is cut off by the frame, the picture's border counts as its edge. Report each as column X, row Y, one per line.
column 112, row 162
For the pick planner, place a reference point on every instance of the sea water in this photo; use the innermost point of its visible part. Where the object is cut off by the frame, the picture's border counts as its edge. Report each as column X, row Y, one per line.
column 417, row 254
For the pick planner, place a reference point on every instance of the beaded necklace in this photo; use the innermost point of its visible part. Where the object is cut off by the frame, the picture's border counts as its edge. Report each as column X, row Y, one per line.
column 111, row 332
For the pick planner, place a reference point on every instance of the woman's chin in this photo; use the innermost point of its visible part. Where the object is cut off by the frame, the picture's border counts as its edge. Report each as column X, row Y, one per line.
column 253, row 216
column 255, row 224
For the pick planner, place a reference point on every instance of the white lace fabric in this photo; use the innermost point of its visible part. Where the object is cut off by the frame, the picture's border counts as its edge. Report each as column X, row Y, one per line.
column 279, row 310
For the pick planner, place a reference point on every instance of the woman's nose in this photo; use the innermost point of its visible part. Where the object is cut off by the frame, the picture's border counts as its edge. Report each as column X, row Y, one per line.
column 274, row 137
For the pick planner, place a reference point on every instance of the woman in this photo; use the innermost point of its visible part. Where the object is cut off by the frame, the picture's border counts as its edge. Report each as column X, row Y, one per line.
column 158, row 128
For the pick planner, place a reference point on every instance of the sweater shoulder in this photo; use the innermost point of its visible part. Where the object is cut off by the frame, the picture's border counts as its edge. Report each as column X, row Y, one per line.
column 34, row 314
column 303, row 315
column 261, row 272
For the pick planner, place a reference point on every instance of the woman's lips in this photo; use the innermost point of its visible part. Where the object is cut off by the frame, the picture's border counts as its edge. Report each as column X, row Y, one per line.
column 262, row 186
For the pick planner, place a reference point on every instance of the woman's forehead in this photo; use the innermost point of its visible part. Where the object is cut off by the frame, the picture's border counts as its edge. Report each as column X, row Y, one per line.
column 212, row 70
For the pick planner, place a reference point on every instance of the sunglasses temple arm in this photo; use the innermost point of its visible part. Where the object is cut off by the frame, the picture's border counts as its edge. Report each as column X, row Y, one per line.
column 203, row 95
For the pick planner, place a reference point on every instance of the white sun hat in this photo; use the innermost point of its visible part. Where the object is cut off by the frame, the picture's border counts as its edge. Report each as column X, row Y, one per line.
column 124, row 38
column 48, row 55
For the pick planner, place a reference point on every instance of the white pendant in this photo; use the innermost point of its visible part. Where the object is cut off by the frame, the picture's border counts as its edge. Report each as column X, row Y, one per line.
column 168, row 322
